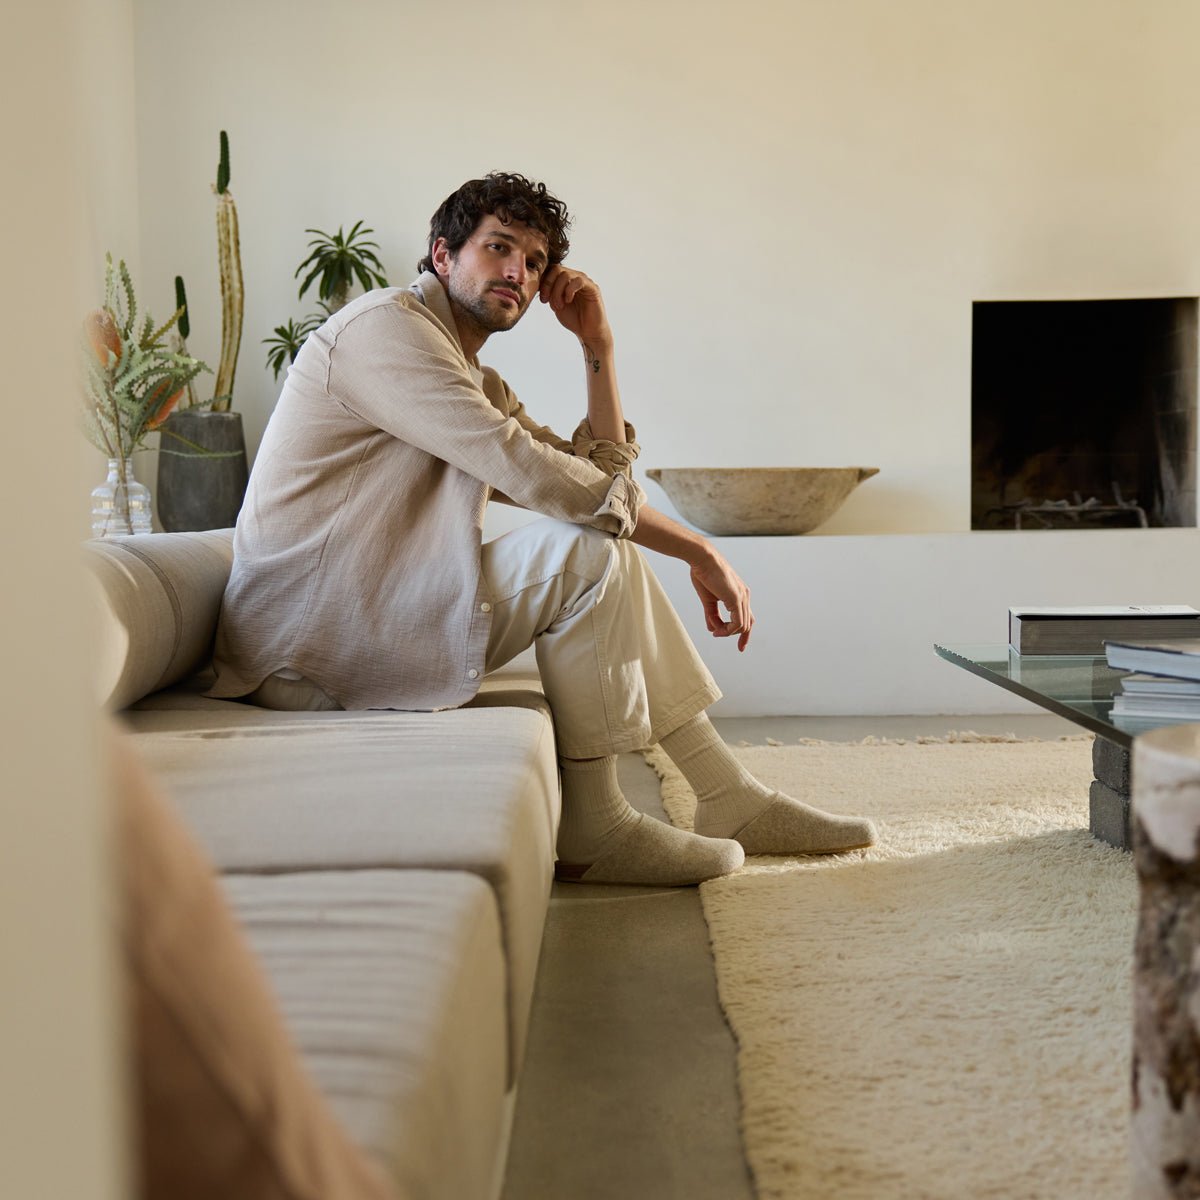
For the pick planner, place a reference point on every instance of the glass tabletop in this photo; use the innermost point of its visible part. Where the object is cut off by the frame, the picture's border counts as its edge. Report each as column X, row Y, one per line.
column 1078, row 687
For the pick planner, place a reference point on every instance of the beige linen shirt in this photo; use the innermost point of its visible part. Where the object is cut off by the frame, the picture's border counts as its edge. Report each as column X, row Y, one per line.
column 356, row 555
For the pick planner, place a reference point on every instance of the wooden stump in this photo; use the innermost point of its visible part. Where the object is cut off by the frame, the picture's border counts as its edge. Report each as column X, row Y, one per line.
column 1165, row 1133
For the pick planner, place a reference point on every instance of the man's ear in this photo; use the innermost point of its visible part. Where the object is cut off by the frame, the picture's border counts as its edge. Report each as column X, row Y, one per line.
column 441, row 257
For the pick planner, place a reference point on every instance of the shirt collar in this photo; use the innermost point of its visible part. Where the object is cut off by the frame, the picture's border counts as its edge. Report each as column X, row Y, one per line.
column 429, row 289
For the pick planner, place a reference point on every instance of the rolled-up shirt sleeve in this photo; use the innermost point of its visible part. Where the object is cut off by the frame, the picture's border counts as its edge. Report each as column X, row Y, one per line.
column 397, row 374
column 613, row 458
column 625, row 499
column 618, row 514
column 624, row 503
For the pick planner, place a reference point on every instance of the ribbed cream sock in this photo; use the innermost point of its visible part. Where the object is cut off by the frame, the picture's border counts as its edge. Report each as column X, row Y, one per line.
column 731, row 803
column 602, row 839
column 594, row 811
column 727, row 795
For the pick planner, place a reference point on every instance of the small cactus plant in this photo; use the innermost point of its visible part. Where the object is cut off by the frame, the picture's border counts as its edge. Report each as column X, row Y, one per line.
column 183, row 330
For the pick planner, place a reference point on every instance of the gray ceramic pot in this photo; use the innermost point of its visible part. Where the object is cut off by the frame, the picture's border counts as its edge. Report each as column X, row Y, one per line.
column 202, row 471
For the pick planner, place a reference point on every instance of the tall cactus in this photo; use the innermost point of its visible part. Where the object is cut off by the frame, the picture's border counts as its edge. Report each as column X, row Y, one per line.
column 229, row 255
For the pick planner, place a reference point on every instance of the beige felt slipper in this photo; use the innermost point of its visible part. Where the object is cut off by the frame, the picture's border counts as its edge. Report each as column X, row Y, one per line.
column 788, row 826
column 651, row 853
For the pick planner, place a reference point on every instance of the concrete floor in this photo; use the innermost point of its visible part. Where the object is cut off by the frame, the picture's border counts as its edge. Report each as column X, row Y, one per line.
column 629, row 1088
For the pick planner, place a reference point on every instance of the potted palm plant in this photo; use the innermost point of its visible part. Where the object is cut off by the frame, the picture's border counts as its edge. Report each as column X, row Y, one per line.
column 285, row 342
column 335, row 261
column 202, row 469
column 132, row 382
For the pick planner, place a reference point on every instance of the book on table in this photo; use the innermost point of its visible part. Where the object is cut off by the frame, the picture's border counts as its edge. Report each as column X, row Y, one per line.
column 1177, row 658
column 1169, row 708
column 1134, row 724
column 1150, row 698
column 1159, row 685
column 1084, row 630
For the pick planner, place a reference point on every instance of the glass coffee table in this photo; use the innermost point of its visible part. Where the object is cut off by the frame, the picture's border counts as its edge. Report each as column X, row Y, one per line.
column 1078, row 687
column 1081, row 689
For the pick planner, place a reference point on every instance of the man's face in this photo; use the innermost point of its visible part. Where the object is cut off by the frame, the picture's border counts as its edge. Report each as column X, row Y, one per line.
column 494, row 275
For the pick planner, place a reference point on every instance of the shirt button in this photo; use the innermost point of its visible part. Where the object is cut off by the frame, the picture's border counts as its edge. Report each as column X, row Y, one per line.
column 485, row 607
column 472, row 674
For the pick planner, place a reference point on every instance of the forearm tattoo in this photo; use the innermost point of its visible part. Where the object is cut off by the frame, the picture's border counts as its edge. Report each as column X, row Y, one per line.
column 589, row 358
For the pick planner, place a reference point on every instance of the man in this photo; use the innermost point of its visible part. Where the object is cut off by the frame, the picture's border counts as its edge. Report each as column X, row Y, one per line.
column 361, row 580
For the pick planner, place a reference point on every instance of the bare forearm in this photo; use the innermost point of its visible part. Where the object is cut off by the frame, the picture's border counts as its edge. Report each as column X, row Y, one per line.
column 579, row 307
column 577, row 304
column 656, row 531
column 604, row 399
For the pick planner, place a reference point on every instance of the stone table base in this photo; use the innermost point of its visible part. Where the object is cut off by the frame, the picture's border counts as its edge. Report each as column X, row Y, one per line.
column 1110, row 794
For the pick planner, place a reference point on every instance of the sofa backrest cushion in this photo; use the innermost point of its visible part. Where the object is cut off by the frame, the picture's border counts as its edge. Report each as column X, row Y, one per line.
column 159, row 596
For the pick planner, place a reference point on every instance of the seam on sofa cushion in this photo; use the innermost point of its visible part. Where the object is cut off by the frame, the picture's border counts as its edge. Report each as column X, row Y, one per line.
column 172, row 598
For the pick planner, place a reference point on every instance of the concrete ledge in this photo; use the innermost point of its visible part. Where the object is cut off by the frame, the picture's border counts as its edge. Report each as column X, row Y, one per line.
column 847, row 624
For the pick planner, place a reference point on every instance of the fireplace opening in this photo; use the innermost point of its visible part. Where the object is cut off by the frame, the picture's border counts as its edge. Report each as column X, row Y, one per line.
column 1083, row 413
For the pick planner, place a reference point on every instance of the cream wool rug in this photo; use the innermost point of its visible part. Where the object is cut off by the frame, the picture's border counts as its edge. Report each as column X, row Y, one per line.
column 947, row 1014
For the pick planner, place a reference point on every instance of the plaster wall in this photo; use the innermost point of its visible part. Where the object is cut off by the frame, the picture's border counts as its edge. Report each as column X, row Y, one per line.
column 852, row 626
column 790, row 207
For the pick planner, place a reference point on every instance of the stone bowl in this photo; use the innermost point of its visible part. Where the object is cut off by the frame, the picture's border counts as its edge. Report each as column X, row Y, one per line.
column 757, row 501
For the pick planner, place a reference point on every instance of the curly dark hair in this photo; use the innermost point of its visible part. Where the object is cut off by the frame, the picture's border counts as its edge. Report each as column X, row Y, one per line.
column 508, row 197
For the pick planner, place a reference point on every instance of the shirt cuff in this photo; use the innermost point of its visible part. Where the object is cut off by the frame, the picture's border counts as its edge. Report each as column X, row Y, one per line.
column 622, row 504
column 613, row 458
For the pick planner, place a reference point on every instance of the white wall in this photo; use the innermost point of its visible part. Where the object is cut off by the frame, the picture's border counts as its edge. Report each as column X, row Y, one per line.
column 105, row 203
column 66, row 87
column 853, row 624
column 790, row 206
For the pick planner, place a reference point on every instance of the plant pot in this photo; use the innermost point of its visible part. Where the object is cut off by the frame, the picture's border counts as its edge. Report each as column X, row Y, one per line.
column 202, row 470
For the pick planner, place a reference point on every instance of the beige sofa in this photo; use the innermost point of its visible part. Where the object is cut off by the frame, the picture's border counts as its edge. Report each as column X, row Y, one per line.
column 392, row 870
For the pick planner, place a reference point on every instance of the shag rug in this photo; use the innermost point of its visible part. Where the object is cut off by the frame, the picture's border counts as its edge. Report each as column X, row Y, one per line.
column 949, row 1013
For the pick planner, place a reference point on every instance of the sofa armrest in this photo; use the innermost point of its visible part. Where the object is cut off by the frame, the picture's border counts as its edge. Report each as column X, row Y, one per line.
column 158, row 597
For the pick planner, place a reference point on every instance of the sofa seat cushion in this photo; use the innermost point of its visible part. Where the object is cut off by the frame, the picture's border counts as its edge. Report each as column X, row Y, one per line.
column 220, row 1102
column 185, row 705
column 471, row 789
column 392, row 986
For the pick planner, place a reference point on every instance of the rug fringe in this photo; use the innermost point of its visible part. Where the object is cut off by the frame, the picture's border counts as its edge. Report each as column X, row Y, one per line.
column 656, row 757
column 954, row 736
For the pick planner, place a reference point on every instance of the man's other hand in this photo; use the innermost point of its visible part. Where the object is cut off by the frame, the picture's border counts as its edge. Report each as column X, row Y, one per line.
column 717, row 583
column 578, row 305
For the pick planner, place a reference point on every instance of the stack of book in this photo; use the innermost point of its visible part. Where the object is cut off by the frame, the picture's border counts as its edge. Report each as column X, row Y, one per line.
column 1166, row 687
column 1085, row 630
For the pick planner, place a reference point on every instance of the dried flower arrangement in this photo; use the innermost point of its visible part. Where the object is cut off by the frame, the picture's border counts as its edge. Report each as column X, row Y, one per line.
column 132, row 378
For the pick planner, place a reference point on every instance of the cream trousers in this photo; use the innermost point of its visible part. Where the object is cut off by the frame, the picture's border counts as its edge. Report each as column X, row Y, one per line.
column 618, row 668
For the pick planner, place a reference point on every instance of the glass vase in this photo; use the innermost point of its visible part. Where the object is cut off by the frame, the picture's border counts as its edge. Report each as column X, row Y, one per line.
column 120, row 505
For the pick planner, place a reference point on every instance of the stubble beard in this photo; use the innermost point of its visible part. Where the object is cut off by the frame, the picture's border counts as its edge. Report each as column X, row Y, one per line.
column 484, row 312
